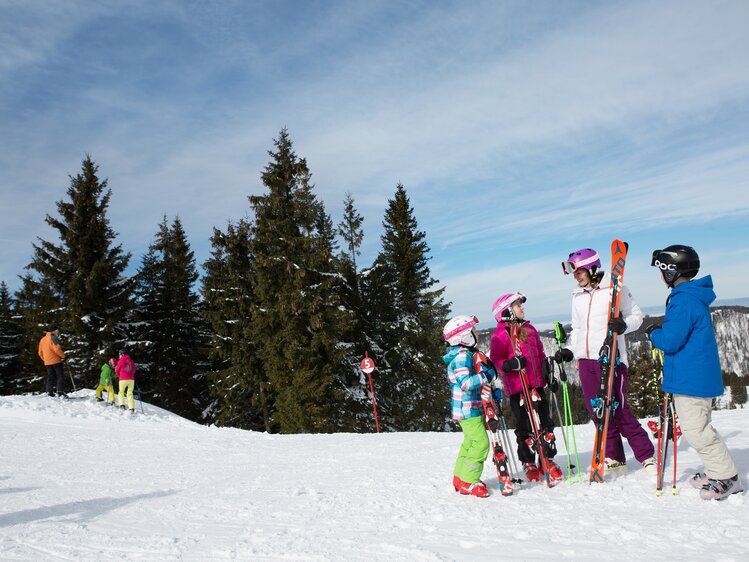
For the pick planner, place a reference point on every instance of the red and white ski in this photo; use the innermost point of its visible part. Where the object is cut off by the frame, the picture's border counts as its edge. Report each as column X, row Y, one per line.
column 603, row 405
column 499, row 457
column 530, row 400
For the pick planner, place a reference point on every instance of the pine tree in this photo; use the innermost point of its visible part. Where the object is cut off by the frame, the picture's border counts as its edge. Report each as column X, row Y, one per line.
column 79, row 283
column 170, row 333
column 407, row 317
column 298, row 316
column 355, row 337
column 10, row 343
column 241, row 393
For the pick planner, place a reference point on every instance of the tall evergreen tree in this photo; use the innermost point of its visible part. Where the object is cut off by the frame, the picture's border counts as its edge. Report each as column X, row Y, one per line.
column 241, row 393
column 355, row 336
column 298, row 316
column 78, row 283
column 10, row 343
column 407, row 316
column 170, row 334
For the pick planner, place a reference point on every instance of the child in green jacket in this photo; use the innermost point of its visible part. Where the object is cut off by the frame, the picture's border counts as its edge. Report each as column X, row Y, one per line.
column 106, row 382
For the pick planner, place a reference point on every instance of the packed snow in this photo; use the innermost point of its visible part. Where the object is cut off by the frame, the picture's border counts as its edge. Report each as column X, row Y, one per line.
column 81, row 481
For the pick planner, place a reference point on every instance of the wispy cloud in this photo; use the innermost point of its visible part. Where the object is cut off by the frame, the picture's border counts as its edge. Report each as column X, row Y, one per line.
column 512, row 127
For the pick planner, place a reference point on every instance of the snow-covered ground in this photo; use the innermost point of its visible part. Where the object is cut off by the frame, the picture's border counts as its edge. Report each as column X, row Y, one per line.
column 79, row 481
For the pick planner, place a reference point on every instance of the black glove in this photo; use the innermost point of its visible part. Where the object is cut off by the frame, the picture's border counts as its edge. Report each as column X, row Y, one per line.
column 514, row 364
column 649, row 329
column 563, row 354
column 547, row 368
column 618, row 325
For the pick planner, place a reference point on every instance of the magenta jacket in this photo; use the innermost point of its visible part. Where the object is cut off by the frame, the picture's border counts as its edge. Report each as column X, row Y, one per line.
column 501, row 350
column 125, row 368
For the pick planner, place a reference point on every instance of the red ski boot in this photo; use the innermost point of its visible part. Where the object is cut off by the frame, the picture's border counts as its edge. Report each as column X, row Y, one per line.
column 478, row 489
column 532, row 473
column 555, row 473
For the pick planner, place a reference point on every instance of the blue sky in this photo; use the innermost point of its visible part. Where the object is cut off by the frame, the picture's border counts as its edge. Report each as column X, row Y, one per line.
column 521, row 130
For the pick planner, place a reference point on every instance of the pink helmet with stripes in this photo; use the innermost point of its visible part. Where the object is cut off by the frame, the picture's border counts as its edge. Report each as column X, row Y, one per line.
column 460, row 331
column 585, row 259
column 502, row 307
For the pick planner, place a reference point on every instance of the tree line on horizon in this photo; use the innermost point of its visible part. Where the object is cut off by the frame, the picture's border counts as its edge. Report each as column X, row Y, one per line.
column 269, row 339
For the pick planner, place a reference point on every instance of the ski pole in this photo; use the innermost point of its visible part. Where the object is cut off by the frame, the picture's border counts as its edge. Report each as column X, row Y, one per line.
column 70, row 373
column 674, row 436
column 510, row 449
column 569, row 426
column 137, row 388
column 554, row 404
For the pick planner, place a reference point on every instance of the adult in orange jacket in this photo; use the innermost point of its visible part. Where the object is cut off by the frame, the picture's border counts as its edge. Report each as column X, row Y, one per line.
column 52, row 355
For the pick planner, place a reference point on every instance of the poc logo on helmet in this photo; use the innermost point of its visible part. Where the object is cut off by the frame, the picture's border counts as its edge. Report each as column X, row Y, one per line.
column 664, row 266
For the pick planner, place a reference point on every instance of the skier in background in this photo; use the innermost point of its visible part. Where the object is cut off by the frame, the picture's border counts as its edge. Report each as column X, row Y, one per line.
column 508, row 309
column 590, row 312
column 125, row 370
column 691, row 367
column 52, row 355
column 106, row 382
column 467, row 409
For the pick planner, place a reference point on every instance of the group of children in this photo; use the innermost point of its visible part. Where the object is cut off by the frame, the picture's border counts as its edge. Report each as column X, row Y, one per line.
column 124, row 370
column 691, row 372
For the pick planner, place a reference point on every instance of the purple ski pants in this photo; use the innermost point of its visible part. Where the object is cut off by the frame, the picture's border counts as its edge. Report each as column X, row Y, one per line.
column 623, row 422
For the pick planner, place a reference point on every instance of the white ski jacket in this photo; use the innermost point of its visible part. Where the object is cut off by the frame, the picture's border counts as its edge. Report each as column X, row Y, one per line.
column 590, row 310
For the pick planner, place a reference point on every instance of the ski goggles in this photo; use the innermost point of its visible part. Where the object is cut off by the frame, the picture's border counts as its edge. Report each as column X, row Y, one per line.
column 462, row 328
column 569, row 267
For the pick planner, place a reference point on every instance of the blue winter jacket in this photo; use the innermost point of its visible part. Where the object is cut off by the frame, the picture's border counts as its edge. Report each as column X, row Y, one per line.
column 465, row 384
column 691, row 365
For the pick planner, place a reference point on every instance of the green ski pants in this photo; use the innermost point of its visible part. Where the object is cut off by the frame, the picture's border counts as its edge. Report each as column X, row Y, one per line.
column 473, row 450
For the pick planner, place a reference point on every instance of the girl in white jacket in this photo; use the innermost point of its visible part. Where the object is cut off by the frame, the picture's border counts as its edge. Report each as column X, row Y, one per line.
column 590, row 310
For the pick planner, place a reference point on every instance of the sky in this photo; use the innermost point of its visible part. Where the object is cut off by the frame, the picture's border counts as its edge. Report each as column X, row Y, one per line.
column 521, row 131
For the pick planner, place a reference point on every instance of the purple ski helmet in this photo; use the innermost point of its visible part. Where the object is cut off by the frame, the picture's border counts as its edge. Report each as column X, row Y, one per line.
column 585, row 258
column 502, row 307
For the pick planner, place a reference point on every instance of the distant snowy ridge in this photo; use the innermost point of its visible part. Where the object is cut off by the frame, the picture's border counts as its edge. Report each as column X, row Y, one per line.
column 731, row 325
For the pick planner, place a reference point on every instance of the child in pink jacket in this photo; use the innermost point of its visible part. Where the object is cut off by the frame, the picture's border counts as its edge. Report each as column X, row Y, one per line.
column 125, row 370
column 508, row 309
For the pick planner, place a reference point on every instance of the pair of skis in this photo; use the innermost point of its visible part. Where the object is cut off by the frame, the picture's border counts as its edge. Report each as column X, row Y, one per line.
column 604, row 404
column 498, row 435
column 665, row 428
column 531, row 399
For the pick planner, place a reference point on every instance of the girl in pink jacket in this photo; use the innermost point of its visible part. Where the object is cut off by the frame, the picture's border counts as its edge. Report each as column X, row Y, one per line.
column 125, row 370
column 508, row 309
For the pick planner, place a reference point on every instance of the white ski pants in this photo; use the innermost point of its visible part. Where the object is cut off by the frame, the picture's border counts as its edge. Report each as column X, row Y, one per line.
column 695, row 419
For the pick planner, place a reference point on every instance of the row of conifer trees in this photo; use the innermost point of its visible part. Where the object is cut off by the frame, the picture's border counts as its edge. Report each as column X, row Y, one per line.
column 269, row 338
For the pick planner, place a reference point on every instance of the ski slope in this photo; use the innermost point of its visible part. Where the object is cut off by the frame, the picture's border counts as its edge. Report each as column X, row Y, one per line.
column 79, row 481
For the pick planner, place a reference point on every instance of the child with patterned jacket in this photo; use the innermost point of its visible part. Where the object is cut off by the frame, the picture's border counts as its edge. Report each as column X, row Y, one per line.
column 467, row 409
column 508, row 309
column 691, row 366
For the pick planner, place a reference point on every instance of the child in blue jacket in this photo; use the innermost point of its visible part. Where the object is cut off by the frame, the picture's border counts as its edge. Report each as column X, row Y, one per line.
column 465, row 384
column 691, row 367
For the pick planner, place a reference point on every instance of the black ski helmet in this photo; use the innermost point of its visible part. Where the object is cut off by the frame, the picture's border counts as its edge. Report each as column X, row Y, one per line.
column 676, row 261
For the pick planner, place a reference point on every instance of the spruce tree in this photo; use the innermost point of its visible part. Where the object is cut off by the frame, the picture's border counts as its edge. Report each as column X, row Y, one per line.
column 10, row 343
column 78, row 283
column 241, row 393
column 298, row 316
column 407, row 317
column 355, row 337
column 170, row 334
